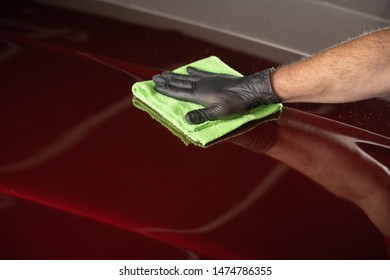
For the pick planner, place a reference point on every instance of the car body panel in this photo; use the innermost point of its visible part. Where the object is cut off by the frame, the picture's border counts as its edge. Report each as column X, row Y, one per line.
column 81, row 166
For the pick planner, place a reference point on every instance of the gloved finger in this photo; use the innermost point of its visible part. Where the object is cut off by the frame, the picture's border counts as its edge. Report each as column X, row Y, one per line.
column 185, row 84
column 195, row 72
column 182, row 94
column 172, row 81
column 215, row 112
column 158, row 79
column 201, row 115
column 177, row 76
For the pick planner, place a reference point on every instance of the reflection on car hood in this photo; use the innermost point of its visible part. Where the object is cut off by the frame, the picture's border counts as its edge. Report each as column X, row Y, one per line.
column 76, row 154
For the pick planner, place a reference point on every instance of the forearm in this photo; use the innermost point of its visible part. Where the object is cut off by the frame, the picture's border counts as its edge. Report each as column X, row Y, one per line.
column 355, row 70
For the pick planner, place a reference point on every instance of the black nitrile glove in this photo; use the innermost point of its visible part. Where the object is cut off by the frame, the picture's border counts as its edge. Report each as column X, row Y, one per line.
column 224, row 96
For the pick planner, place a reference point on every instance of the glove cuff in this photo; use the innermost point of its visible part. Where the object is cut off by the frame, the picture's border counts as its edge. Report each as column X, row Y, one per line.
column 265, row 91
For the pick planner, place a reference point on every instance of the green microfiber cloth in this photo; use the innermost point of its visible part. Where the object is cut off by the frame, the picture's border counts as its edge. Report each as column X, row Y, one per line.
column 170, row 112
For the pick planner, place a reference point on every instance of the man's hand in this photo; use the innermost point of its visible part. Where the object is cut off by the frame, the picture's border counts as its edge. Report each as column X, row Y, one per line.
column 224, row 96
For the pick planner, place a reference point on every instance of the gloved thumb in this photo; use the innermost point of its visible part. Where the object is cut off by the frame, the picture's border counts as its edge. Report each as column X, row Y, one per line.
column 201, row 115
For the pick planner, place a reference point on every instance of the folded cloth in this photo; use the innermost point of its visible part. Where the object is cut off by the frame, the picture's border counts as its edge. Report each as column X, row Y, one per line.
column 170, row 112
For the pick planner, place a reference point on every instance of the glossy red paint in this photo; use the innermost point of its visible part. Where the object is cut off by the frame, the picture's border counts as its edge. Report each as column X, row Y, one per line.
column 83, row 174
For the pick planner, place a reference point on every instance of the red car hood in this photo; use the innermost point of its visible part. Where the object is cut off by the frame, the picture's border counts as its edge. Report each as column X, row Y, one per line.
column 84, row 174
